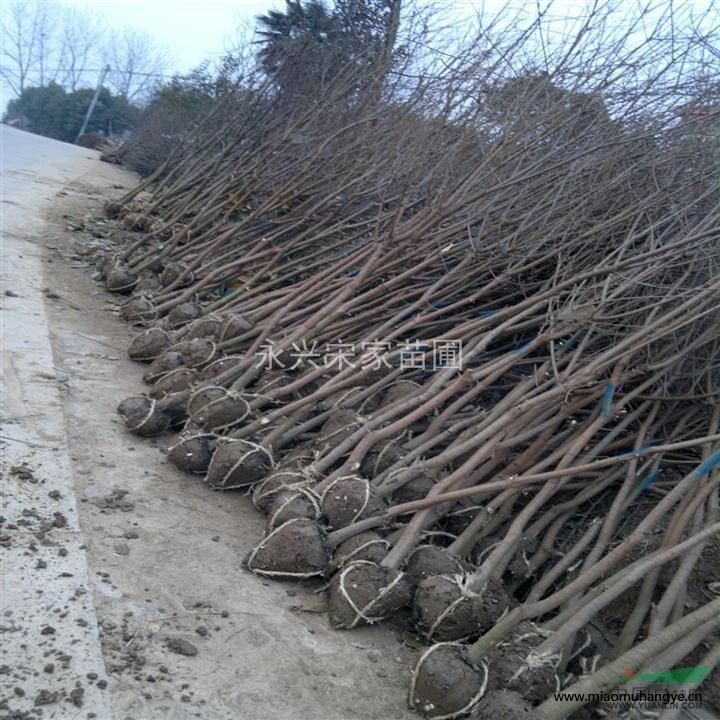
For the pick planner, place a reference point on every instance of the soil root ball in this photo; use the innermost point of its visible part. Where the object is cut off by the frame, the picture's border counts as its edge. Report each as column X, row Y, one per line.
column 172, row 271
column 149, row 282
column 192, row 453
column 237, row 463
column 296, row 549
column 289, row 504
column 277, row 482
column 447, row 609
column 338, row 427
column 368, row 546
column 142, row 416
column 209, row 326
column 427, row 560
column 182, row 314
column 138, row 310
column 114, row 209
column 380, row 458
column 505, row 705
column 349, row 499
column 149, row 344
column 176, row 380
column 444, row 684
column 120, row 280
column 235, row 326
column 137, row 222
column 516, row 666
column 415, row 489
column 217, row 408
column 163, row 364
column 216, row 367
column 363, row 592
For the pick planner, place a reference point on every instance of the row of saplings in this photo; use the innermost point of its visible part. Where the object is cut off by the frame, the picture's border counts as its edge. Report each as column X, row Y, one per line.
column 185, row 353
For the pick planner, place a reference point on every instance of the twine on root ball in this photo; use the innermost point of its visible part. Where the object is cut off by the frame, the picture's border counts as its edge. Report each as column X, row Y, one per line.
column 443, row 685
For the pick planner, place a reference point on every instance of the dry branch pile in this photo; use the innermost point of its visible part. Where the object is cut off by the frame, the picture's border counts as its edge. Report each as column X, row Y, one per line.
column 303, row 278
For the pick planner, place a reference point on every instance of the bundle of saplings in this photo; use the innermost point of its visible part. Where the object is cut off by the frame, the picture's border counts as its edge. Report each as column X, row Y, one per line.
column 456, row 329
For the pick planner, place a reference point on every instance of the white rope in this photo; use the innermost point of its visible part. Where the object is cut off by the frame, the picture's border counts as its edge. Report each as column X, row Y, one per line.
column 458, row 713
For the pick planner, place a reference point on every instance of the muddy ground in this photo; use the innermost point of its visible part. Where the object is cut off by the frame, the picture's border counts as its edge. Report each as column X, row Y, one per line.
column 124, row 595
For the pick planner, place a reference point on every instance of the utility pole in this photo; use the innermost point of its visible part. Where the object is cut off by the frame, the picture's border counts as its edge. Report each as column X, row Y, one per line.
column 90, row 109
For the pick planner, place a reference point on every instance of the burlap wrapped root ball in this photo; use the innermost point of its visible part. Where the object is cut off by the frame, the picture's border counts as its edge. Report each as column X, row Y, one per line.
column 272, row 485
column 289, row 504
column 192, row 452
column 296, row 549
column 447, row 608
column 369, row 545
column 237, row 464
column 217, row 408
column 444, row 684
column 427, row 560
column 363, row 592
column 514, row 665
column 349, row 499
column 149, row 344
column 142, row 417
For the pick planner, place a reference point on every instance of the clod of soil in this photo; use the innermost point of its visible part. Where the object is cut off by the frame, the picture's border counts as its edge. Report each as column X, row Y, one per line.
column 237, row 463
column 181, row 647
column 209, row 326
column 505, row 705
column 275, row 483
column 163, row 364
column 172, row 272
column 140, row 309
column 349, row 499
column 235, row 326
column 216, row 367
column 514, row 666
column 338, row 427
column 142, row 416
column 446, row 609
column 148, row 282
column 216, row 408
column 296, row 549
column 445, row 684
column 368, row 546
column 428, row 560
column 149, row 344
column 363, row 592
column 176, row 380
column 120, row 280
column 289, row 504
column 182, row 314
column 380, row 458
column 415, row 489
column 192, row 454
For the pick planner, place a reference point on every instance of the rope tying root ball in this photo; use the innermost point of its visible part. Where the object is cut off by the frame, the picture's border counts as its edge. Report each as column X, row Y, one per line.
column 237, row 463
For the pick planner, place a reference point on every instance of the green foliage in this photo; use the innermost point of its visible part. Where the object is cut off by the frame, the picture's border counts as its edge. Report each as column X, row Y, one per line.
column 51, row 111
column 310, row 43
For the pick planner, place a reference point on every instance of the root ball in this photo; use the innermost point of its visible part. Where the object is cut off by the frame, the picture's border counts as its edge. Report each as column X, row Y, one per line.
column 349, row 499
column 428, row 560
column 192, row 454
column 444, row 684
column 142, row 416
column 182, row 314
column 296, row 549
column 363, row 592
column 163, row 364
column 237, row 463
column 216, row 408
column 289, row 504
column 176, row 380
column 278, row 482
column 505, row 705
column 369, row 546
column 149, row 344
column 120, row 280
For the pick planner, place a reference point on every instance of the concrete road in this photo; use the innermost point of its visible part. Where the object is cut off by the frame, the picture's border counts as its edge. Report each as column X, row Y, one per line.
column 114, row 561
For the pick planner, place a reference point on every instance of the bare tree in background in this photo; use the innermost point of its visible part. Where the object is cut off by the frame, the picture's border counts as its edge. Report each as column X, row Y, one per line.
column 135, row 61
column 45, row 42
